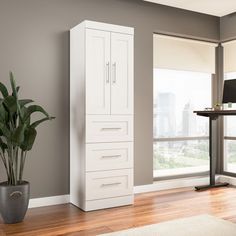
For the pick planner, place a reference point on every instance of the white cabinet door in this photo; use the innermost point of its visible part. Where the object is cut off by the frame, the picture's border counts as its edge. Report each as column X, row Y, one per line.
column 97, row 72
column 121, row 74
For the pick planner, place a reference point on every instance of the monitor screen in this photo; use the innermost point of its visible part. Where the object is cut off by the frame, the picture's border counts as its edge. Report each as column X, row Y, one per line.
column 229, row 92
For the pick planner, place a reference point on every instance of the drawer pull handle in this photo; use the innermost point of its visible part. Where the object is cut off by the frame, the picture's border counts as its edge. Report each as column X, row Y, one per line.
column 113, row 156
column 108, row 129
column 111, row 184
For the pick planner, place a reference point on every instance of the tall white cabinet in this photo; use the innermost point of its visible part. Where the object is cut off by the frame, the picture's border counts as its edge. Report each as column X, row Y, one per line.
column 101, row 115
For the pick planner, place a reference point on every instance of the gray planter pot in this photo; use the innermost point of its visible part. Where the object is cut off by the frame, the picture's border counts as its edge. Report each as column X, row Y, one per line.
column 14, row 201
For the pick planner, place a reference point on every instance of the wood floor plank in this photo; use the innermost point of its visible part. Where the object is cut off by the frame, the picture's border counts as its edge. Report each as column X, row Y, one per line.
column 149, row 208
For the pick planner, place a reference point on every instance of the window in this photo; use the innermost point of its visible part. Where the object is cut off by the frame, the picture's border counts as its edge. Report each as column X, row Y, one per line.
column 180, row 136
column 229, row 121
column 182, row 76
column 230, row 136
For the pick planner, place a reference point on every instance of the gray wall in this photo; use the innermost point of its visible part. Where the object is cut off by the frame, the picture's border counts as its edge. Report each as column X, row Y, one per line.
column 34, row 43
column 227, row 27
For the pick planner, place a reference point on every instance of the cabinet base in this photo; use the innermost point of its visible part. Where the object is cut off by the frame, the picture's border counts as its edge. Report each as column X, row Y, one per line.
column 107, row 203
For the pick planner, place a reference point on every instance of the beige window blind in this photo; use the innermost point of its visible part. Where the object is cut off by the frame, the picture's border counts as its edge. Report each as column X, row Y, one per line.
column 183, row 54
column 229, row 56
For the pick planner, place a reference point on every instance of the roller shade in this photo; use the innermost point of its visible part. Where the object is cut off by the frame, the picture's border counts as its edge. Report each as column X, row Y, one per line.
column 183, row 54
column 229, row 56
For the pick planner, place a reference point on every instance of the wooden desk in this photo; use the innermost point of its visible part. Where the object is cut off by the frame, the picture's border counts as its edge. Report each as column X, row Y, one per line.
column 213, row 116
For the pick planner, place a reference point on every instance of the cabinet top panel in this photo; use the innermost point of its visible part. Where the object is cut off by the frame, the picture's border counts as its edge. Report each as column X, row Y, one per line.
column 106, row 27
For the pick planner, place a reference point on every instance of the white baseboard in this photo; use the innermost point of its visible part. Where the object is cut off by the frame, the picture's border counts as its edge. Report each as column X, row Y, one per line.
column 228, row 179
column 172, row 184
column 156, row 186
column 49, row 201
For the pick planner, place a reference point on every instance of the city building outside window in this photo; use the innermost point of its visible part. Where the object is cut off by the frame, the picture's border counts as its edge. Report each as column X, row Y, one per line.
column 180, row 136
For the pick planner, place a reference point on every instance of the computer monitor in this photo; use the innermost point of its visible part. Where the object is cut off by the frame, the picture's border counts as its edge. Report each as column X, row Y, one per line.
column 229, row 92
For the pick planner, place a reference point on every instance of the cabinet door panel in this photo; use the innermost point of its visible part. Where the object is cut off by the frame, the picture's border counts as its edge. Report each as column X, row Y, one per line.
column 121, row 74
column 97, row 72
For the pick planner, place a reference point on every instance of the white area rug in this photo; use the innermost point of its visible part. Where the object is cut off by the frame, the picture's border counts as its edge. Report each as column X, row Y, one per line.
column 202, row 225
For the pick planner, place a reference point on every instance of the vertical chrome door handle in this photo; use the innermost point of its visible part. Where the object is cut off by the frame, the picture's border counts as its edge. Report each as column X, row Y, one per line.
column 114, row 72
column 107, row 72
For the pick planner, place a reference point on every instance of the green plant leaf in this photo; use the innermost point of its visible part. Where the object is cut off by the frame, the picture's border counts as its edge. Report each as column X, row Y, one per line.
column 3, row 112
column 6, row 132
column 18, row 135
column 13, row 85
column 24, row 102
column 3, row 146
column 30, row 135
column 17, row 90
column 15, row 94
column 3, row 90
column 10, row 103
column 36, row 123
column 34, row 108
column 24, row 112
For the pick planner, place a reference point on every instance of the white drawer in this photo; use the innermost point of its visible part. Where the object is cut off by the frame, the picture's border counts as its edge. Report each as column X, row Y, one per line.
column 107, row 128
column 106, row 184
column 109, row 156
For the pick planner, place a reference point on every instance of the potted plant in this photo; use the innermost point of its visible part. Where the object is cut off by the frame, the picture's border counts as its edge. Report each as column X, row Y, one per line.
column 17, row 136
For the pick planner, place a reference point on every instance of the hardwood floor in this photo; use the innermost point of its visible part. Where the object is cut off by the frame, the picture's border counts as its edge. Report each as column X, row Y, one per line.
column 149, row 208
